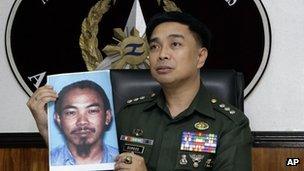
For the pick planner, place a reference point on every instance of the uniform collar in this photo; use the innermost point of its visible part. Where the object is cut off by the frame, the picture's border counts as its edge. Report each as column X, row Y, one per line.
column 201, row 103
column 159, row 100
column 68, row 158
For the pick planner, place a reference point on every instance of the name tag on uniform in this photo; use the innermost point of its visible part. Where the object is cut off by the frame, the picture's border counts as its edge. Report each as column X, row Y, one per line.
column 198, row 142
column 136, row 140
column 134, row 148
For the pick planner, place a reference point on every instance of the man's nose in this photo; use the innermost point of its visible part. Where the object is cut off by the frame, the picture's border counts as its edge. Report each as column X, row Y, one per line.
column 82, row 119
column 163, row 54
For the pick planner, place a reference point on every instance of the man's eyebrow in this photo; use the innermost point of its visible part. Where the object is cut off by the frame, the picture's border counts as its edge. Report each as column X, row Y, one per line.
column 68, row 107
column 94, row 105
column 74, row 107
column 156, row 39
column 176, row 36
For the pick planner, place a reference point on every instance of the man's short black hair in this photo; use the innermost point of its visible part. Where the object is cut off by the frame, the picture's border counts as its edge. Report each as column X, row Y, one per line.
column 84, row 84
column 199, row 30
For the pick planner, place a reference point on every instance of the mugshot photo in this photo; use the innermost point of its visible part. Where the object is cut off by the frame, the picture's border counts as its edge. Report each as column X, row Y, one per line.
column 82, row 121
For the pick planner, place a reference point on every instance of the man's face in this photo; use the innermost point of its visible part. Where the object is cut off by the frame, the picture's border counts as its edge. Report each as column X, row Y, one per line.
column 83, row 117
column 175, row 55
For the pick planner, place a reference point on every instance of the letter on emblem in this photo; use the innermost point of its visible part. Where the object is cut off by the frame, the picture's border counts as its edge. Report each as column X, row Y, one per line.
column 37, row 79
column 231, row 2
column 44, row 1
column 134, row 48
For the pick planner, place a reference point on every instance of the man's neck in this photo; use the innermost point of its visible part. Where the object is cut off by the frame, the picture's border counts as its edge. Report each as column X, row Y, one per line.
column 87, row 154
column 179, row 98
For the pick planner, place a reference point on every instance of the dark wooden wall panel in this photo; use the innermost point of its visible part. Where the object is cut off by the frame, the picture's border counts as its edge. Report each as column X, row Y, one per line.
column 36, row 159
column 274, row 159
column 23, row 159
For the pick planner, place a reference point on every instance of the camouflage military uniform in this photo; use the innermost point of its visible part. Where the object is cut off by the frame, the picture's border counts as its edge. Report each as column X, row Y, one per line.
column 209, row 135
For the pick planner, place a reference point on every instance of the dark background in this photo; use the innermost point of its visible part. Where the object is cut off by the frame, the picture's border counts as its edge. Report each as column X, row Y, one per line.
column 46, row 37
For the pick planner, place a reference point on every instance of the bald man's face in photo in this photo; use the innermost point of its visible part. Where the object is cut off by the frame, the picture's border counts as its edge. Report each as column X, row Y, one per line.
column 83, row 117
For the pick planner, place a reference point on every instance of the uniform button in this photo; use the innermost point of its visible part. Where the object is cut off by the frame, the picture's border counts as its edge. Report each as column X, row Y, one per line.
column 129, row 101
column 213, row 100
column 153, row 94
column 142, row 97
column 222, row 105
column 232, row 112
column 136, row 99
column 227, row 108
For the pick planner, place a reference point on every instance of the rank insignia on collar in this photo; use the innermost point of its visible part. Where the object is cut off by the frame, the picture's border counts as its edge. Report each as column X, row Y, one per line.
column 198, row 142
column 196, row 158
column 201, row 126
column 183, row 160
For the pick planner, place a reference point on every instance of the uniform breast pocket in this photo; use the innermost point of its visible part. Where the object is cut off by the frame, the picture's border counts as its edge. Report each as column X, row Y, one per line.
column 194, row 161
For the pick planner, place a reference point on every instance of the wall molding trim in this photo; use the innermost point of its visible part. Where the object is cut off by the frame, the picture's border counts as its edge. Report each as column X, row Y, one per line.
column 260, row 139
column 278, row 139
column 21, row 140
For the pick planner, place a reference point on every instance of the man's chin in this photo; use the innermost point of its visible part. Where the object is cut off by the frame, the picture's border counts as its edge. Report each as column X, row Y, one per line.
column 83, row 149
column 164, row 80
column 82, row 141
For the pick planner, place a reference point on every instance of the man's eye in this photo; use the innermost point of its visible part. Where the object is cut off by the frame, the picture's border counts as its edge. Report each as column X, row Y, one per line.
column 152, row 47
column 94, row 111
column 176, row 44
column 69, row 113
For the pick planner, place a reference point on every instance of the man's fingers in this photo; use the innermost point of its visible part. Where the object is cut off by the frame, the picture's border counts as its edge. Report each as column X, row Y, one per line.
column 121, row 157
column 43, row 93
column 43, row 88
column 48, row 99
column 43, row 101
column 122, row 166
column 130, row 161
column 120, row 161
column 39, row 99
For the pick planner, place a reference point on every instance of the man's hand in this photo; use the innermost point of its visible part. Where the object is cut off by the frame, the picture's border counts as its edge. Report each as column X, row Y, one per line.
column 37, row 105
column 130, row 161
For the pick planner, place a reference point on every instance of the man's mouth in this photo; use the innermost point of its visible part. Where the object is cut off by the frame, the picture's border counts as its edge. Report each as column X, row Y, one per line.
column 163, row 69
column 83, row 131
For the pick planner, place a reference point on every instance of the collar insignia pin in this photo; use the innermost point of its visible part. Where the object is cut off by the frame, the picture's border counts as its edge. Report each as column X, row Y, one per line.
column 153, row 94
column 201, row 126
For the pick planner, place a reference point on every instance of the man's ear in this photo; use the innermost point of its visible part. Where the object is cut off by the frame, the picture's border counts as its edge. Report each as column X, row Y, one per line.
column 202, row 56
column 108, row 118
column 57, row 119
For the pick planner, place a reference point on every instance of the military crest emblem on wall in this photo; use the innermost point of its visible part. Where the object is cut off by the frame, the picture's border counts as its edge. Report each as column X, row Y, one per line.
column 52, row 36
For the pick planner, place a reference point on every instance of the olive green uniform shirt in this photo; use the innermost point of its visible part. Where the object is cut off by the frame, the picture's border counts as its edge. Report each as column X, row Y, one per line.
column 146, row 127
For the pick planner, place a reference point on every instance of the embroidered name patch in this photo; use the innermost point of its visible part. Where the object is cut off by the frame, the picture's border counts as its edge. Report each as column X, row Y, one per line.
column 198, row 142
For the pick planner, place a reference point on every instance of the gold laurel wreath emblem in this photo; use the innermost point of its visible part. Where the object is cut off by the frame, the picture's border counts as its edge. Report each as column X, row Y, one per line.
column 88, row 40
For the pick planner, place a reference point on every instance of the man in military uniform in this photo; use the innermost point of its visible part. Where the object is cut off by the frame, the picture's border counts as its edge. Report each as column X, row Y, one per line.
column 184, row 127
